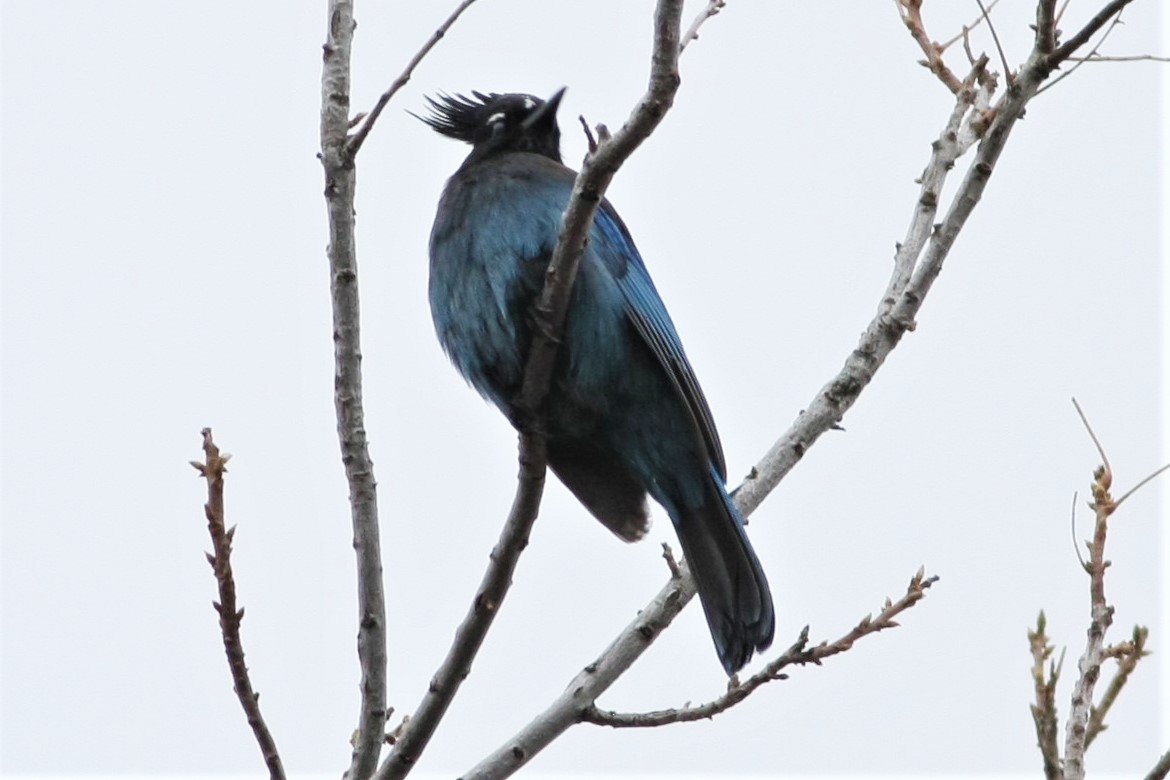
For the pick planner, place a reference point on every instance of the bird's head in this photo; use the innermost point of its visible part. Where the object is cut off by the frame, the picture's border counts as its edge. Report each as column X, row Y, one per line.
column 494, row 123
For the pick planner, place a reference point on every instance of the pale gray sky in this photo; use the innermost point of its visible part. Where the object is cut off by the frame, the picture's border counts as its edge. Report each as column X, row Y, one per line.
column 163, row 270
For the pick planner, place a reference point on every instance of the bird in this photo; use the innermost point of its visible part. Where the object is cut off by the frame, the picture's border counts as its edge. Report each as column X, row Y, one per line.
column 625, row 416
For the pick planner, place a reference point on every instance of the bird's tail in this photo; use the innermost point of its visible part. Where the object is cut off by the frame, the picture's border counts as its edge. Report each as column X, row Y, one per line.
column 731, row 583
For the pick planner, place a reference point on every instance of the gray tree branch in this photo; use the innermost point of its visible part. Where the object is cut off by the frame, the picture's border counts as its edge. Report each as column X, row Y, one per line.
column 1161, row 768
column 712, row 8
column 340, row 184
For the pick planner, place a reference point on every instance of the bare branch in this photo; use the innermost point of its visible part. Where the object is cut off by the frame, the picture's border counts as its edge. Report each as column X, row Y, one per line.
column 590, row 141
column 1101, row 617
column 1088, row 57
column 917, row 262
column 1161, row 769
column 565, row 711
column 1082, row 37
column 671, row 561
column 1119, row 58
column 340, row 185
column 911, row 13
column 416, row 732
column 692, row 34
column 798, row 654
column 357, row 139
column 1045, row 26
column 984, row 15
column 1007, row 69
column 1044, row 709
column 549, row 313
column 1096, row 442
column 1140, row 485
column 1073, row 529
column 212, row 469
column 1127, row 655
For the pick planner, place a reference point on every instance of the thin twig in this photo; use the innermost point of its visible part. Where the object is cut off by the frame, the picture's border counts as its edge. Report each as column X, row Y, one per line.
column 692, row 34
column 1007, row 69
column 1093, row 436
column 1127, row 655
column 1079, row 61
column 1073, row 529
column 671, row 561
column 1140, row 485
column 212, row 469
column 799, row 654
column 984, row 14
column 340, row 187
column 358, row 138
column 1119, row 58
column 549, row 312
column 1044, row 708
column 590, row 140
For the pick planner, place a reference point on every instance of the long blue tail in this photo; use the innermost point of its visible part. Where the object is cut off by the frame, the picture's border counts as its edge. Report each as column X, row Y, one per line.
column 731, row 583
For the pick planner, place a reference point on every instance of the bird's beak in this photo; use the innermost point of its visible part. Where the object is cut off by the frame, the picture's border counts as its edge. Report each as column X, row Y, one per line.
column 547, row 111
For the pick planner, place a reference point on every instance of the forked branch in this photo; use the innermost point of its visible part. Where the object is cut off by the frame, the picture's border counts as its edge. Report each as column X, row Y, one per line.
column 366, row 121
column 798, row 654
column 976, row 119
column 1086, row 720
column 1044, row 714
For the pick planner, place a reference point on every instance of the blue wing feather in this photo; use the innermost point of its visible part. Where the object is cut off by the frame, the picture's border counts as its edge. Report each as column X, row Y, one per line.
column 645, row 309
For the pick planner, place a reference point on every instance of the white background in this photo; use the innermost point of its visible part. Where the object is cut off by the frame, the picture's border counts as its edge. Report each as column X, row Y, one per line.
column 163, row 270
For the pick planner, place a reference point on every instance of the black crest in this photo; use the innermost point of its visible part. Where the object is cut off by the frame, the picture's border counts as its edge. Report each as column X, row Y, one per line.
column 496, row 123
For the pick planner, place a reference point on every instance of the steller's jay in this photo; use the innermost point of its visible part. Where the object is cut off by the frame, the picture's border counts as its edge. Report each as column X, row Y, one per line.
column 625, row 414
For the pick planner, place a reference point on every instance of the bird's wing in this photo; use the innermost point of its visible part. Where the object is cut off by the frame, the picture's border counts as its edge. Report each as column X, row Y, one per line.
column 648, row 314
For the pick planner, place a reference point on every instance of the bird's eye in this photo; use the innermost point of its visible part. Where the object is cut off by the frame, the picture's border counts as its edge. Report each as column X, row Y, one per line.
column 496, row 124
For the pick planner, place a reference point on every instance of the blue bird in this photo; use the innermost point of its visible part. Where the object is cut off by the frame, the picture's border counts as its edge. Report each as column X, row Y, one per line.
column 625, row 414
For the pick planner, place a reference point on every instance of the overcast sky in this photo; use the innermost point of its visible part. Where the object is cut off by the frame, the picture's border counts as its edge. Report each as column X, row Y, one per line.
column 164, row 270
